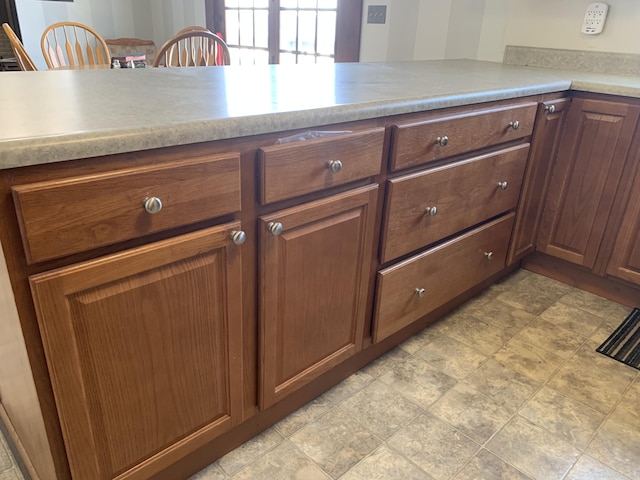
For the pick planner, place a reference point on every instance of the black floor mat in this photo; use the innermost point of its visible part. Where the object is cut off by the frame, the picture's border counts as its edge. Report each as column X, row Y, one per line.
column 623, row 344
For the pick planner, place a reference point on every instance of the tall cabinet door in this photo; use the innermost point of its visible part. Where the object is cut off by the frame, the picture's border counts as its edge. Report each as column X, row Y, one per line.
column 144, row 351
column 596, row 143
column 315, row 263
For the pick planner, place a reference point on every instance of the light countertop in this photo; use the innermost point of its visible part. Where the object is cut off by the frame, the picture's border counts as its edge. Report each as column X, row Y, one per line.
column 54, row 116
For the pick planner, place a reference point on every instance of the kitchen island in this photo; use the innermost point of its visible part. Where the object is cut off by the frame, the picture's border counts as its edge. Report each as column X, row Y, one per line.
column 175, row 279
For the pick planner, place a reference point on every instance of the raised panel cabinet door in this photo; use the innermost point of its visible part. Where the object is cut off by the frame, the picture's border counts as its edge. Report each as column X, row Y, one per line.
column 625, row 260
column 315, row 263
column 595, row 145
column 544, row 147
column 144, row 350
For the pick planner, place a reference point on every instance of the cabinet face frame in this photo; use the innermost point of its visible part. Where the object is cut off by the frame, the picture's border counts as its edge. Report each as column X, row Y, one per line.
column 73, row 376
column 312, row 224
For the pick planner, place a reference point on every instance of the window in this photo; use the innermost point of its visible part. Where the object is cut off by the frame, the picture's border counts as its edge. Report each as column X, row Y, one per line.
column 287, row 31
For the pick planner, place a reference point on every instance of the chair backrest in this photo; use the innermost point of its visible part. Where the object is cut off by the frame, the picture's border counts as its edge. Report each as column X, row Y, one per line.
column 120, row 47
column 23, row 58
column 72, row 44
column 193, row 48
column 190, row 28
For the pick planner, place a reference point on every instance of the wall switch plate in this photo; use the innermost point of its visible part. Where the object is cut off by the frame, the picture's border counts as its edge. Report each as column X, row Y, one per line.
column 377, row 14
column 594, row 18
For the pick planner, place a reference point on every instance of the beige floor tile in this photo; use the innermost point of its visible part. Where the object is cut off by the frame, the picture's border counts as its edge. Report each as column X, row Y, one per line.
column 250, row 451
column 473, row 413
column 527, row 359
column 451, row 357
column 618, row 447
column 596, row 305
column 628, row 410
column 385, row 464
column 504, row 316
column 212, row 472
column 436, row 447
column 348, row 387
column 418, row 381
column 551, row 337
column 573, row 319
column 426, row 336
column 479, row 334
column 533, row 450
column 503, row 385
column 386, row 363
column 572, row 421
column 587, row 468
column 285, row 462
column 11, row 474
column 486, row 466
column 5, row 457
column 587, row 357
column 533, row 294
column 304, row 416
column 335, row 442
column 606, row 328
column 381, row 409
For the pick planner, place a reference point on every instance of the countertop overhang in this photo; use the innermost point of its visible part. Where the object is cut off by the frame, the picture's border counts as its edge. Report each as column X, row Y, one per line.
column 54, row 116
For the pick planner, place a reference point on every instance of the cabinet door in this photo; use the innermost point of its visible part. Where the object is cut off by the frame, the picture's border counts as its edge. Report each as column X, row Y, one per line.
column 315, row 263
column 625, row 260
column 544, row 147
column 144, row 351
column 596, row 143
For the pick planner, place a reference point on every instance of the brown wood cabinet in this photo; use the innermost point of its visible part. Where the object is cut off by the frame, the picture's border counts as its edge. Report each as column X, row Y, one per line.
column 595, row 146
column 144, row 348
column 315, row 262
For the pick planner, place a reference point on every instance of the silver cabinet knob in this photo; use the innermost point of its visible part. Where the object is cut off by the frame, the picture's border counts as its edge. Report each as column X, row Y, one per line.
column 550, row 108
column 152, row 204
column 442, row 141
column 431, row 211
column 502, row 185
column 419, row 292
column 515, row 125
column 334, row 165
column 238, row 237
column 275, row 228
column 489, row 255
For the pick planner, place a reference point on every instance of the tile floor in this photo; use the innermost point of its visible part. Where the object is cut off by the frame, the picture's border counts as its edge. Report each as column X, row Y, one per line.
column 508, row 386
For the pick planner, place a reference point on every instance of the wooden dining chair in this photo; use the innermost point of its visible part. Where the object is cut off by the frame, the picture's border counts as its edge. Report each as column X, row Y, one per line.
column 193, row 48
column 24, row 60
column 72, row 44
column 120, row 47
column 190, row 28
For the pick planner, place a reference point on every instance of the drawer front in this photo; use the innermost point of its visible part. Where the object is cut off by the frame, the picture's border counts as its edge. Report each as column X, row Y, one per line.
column 297, row 168
column 423, row 142
column 67, row 216
column 426, row 207
column 413, row 288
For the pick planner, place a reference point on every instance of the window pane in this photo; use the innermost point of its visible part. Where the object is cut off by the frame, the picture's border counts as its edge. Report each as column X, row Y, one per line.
column 261, row 20
column 234, row 53
column 287, row 58
column 307, row 4
column 232, row 27
column 288, row 3
column 246, row 27
column 246, row 56
column 326, row 32
column 306, row 59
column 322, row 59
column 261, row 3
column 328, row 4
column 262, row 57
column 307, row 31
column 288, row 30
column 231, row 3
column 246, row 3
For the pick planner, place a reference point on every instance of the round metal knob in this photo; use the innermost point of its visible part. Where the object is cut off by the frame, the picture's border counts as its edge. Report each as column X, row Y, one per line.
column 489, row 255
column 275, row 228
column 431, row 211
column 238, row 237
column 515, row 125
column 442, row 141
column 550, row 108
column 152, row 204
column 334, row 165
column 420, row 292
column 502, row 185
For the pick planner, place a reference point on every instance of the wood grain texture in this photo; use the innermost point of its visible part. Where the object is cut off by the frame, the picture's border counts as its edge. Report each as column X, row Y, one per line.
column 415, row 143
column 444, row 272
column 464, row 193
column 292, row 169
column 144, row 349
column 591, row 159
column 66, row 216
column 314, row 279
column 544, row 148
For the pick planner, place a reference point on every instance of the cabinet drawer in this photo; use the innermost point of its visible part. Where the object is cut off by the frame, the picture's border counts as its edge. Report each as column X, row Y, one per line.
column 71, row 215
column 425, row 207
column 422, row 142
column 413, row 288
column 292, row 169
